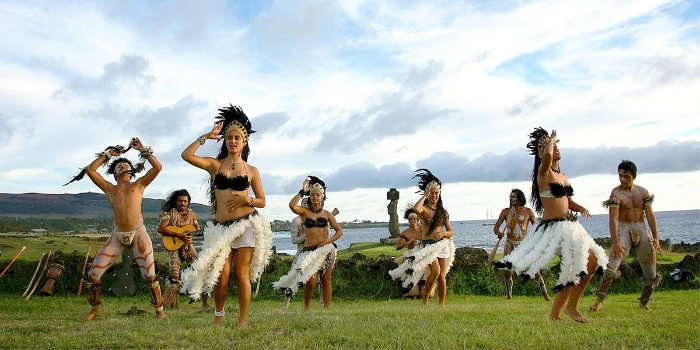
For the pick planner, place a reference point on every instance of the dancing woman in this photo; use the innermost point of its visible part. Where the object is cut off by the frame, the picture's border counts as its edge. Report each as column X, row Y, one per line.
column 241, row 236
column 433, row 259
column 558, row 231
column 319, row 252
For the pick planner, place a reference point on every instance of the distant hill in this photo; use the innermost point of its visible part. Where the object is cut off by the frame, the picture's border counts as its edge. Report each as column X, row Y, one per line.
column 75, row 205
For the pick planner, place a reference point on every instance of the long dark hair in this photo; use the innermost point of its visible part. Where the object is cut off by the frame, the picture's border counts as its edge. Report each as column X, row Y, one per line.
column 171, row 201
column 533, row 146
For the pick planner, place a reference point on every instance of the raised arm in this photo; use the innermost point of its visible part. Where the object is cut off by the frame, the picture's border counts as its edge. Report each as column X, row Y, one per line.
column 94, row 175
column 147, row 153
column 207, row 163
column 298, row 209
column 548, row 155
column 419, row 207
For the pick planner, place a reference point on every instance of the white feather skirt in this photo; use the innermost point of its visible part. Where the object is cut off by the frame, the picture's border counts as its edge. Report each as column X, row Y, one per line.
column 566, row 238
column 416, row 266
column 204, row 273
column 304, row 267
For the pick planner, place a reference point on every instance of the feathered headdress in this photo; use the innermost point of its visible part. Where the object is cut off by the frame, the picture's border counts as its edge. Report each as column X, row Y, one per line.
column 538, row 139
column 317, row 184
column 234, row 119
column 426, row 180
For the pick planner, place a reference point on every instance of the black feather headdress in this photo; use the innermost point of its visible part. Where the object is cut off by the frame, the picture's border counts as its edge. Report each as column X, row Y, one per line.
column 537, row 141
column 234, row 119
column 425, row 177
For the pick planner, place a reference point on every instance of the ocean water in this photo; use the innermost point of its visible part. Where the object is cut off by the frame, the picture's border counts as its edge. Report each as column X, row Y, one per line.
column 678, row 226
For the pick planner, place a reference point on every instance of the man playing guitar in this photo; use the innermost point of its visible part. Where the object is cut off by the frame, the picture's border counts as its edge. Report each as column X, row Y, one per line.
column 177, row 222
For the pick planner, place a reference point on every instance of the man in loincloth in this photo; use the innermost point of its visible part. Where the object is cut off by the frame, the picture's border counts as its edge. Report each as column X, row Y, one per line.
column 517, row 218
column 629, row 203
column 129, row 232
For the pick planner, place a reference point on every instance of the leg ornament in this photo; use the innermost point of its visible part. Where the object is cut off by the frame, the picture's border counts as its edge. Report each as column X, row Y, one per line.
column 543, row 287
column 156, row 298
column 509, row 288
column 648, row 286
column 170, row 299
column 94, row 290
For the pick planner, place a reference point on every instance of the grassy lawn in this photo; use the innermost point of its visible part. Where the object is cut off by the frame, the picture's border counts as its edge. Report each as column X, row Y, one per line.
column 466, row 322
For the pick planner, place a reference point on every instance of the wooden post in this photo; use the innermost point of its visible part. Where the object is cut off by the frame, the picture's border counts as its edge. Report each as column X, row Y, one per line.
column 80, row 281
column 13, row 261
column 34, row 275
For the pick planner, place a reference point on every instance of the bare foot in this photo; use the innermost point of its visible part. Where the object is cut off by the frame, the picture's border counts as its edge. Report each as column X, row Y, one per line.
column 576, row 315
column 92, row 314
column 556, row 318
column 597, row 306
column 218, row 320
column 242, row 324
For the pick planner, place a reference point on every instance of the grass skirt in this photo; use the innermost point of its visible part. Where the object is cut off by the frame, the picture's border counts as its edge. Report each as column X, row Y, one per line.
column 204, row 273
column 304, row 267
column 566, row 238
column 416, row 266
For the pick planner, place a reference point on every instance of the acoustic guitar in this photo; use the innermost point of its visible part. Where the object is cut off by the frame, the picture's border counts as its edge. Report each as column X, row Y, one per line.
column 174, row 243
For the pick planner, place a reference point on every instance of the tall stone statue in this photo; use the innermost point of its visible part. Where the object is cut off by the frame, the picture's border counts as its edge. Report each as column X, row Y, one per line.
column 393, row 197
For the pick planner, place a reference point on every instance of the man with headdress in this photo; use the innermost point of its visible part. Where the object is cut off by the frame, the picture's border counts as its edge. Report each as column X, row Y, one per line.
column 517, row 218
column 175, row 218
column 319, row 252
column 628, row 205
column 129, row 231
column 433, row 260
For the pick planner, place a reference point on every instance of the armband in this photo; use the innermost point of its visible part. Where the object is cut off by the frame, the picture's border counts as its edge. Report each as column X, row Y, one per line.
column 146, row 152
column 649, row 200
column 612, row 202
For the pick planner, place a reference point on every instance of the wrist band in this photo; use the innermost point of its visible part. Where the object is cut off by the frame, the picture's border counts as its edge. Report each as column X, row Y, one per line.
column 301, row 193
column 146, row 152
column 250, row 204
column 201, row 140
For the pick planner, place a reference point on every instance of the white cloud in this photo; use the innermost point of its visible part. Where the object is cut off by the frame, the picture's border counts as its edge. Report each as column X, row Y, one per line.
column 352, row 90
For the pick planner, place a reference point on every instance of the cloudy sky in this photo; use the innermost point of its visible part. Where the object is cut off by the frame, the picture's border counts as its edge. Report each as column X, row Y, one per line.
column 359, row 93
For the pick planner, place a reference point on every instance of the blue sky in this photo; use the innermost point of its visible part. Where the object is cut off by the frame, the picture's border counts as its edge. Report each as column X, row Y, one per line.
column 359, row 93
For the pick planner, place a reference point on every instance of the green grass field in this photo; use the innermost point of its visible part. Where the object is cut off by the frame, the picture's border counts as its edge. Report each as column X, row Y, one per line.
column 466, row 322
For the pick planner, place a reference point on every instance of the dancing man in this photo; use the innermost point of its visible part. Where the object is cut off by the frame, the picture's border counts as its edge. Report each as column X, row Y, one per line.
column 177, row 221
column 129, row 232
column 517, row 218
column 628, row 205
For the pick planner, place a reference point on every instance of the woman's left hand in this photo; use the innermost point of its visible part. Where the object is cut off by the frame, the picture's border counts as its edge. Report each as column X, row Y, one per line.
column 236, row 202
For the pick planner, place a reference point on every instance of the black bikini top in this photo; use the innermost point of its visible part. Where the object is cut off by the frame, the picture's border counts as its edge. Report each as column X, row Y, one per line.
column 320, row 222
column 236, row 183
column 557, row 190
